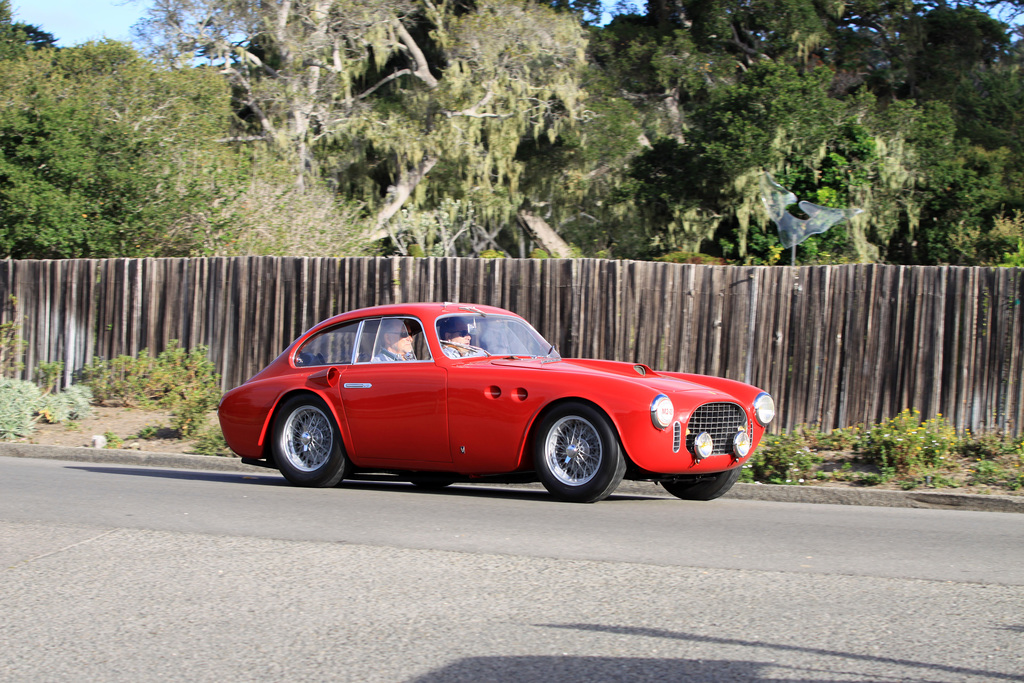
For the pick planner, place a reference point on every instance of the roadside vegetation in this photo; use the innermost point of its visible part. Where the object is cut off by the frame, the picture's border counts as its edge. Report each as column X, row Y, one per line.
column 181, row 382
column 904, row 452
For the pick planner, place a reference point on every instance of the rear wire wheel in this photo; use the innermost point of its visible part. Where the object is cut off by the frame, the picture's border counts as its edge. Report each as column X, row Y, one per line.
column 577, row 454
column 307, row 443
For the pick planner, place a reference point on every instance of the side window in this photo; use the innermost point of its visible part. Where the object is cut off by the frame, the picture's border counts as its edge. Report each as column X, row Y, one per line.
column 366, row 339
column 397, row 339
column 330, row 347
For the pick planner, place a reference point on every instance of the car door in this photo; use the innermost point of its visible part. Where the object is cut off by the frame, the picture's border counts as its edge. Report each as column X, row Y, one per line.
column 396, row 411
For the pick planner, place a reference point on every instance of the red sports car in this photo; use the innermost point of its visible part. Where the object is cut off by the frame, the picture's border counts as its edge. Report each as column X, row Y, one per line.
column 444, row 392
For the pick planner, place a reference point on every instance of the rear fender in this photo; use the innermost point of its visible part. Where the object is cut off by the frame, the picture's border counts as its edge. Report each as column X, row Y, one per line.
column 264, row 441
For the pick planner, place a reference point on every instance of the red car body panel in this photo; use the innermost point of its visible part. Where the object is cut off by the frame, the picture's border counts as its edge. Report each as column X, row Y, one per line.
column 473, row 416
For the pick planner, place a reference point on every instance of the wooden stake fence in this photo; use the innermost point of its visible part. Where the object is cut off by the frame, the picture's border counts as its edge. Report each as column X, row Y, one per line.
column 835, row 345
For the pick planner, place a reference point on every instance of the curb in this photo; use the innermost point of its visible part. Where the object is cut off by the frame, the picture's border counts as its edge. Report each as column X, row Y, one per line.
column 765, row 492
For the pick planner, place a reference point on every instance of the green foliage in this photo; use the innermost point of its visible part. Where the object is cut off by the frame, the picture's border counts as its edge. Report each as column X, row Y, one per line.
column 148, row 432
column 1014, row 259
column 70, row 405
column 11, row 343
column 209, row 440
column 306, row 128
column 782, row 459
column 690, row 257
column 102, row 154
column 113, row 440
column 906, row 445
column 19, row 401
column 47, row 375
column 181, row 381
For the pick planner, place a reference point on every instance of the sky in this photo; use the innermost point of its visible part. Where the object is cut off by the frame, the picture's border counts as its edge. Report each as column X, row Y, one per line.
column 76, row 21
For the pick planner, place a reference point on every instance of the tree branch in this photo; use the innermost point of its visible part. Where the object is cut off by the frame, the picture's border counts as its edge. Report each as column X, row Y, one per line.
column 398, row 194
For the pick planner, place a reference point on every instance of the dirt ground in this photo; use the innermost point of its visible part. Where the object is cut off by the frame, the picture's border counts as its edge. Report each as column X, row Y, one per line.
column 125, row 424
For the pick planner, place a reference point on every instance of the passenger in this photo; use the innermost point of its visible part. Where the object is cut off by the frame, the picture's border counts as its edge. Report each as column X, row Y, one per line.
column 396, row 342
column 455, row 338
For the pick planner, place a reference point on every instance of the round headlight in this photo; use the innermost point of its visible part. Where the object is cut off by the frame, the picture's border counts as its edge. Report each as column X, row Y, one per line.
column 662, row 411
column 764, row 409
column 741, row 444
column 704, row 445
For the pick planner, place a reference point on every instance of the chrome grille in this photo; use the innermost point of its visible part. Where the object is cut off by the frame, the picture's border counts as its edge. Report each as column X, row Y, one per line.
column 677, row 433
column 721, row 421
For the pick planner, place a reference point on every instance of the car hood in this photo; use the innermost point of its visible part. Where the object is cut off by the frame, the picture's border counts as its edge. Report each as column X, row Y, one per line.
column 634, row 373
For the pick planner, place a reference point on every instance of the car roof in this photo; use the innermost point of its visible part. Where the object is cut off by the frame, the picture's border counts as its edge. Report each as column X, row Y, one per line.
column 425, row 311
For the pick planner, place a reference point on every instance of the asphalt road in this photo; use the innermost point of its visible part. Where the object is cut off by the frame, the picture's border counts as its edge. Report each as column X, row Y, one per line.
column 140, row 574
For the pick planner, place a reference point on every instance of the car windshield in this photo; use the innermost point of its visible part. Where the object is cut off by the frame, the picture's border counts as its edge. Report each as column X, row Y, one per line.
column 491, row 335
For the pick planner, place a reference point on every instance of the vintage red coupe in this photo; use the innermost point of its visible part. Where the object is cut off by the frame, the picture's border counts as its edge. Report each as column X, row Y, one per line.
column 443, row 392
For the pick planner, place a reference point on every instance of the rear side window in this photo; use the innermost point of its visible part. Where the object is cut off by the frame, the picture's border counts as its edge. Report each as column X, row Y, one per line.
column 333, row 346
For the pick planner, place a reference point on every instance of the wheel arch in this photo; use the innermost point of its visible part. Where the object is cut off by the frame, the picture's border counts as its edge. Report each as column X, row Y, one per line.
column 555, row 404
column 265, row 443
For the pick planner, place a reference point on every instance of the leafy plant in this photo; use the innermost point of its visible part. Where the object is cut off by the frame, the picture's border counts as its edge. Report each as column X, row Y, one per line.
column 782, row 459
column 148, row 432
column 181, row 381
column 19, row 401
column 210, row 441
column 11, row 343
column 905, row 445
column 113, row 440
column 74, row 403
column 47, row 375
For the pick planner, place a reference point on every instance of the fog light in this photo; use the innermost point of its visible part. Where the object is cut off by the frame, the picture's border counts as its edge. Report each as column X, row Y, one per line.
column 704, row 445
column 741, row 444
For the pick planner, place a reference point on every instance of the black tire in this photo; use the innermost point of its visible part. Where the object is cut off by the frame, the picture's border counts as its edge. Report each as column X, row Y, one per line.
column 306, row 443
column 707, row 488
column 577, row 454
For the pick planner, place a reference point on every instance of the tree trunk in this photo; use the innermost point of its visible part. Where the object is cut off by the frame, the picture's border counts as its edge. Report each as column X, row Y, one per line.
column 544, row 235
column 398, row 194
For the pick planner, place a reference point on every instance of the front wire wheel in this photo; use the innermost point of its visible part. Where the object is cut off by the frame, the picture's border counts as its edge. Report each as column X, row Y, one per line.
column 307, row 444
column 577, row 454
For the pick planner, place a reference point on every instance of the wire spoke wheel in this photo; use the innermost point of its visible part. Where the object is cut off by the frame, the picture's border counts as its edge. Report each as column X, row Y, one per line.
column 307, row 439
column 577, row 455
column 307, row 445
column 573, row 450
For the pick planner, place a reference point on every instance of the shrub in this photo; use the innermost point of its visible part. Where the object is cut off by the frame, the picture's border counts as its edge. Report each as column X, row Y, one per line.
column 210, row 441
column 47, row 375
column 19, row 401
column 905, row 445
column 181, row 381
column 74, row 403
column 691, row 257
column 782, row 459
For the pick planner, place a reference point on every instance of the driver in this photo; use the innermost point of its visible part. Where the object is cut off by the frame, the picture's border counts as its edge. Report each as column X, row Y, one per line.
column 455, row 331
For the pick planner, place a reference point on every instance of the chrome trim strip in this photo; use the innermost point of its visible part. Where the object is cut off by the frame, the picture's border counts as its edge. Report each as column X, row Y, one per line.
column 358, row 385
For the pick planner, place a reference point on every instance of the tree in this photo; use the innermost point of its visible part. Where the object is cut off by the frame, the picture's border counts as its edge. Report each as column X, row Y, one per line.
column 16, row 38
column 103, row 154
column 377, row 95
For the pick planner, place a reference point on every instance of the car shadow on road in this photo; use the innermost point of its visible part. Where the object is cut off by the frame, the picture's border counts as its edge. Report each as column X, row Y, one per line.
column 753, row 671
column 395, row 485
column 190, row 475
